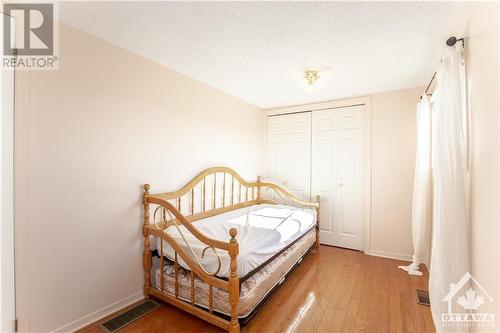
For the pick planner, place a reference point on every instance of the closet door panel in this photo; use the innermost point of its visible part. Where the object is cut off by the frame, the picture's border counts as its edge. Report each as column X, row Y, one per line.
column 299, row 157
column 352, row 176
column 347, row 214
column 277, row 149
column 289, row 153
column 328, row 205
column 324, row 171
column 337, row 174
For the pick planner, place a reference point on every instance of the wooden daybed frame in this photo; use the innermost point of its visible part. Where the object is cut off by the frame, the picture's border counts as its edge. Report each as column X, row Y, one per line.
column 196, row 201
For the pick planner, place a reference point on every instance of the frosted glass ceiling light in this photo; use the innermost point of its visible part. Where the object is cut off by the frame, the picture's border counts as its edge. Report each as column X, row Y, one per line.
column 312, row 80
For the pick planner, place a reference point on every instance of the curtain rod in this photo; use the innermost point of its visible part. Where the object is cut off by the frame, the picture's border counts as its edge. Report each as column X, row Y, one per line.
column 450, row 42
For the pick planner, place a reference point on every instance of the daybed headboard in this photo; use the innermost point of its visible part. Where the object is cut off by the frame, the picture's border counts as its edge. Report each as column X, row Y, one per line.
column 221, row 189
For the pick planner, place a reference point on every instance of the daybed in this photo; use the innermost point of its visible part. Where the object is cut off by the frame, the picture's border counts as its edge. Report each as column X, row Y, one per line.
column 224, row 282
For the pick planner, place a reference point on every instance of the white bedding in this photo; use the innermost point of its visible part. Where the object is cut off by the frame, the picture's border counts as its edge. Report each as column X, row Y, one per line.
column 263, row 231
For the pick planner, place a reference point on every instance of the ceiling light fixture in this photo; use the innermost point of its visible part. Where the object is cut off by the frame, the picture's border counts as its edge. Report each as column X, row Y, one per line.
column 311, row 80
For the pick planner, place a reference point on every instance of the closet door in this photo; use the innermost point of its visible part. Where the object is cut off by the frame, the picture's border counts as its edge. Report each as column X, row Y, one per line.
column 338, row 174
column 289, row 153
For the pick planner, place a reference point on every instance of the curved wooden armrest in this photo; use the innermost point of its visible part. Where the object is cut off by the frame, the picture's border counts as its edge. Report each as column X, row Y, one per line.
column 207, row 240
column 290, row 196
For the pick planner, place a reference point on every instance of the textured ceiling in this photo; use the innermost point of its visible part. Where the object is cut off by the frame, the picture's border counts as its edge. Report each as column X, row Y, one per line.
column 257, row 51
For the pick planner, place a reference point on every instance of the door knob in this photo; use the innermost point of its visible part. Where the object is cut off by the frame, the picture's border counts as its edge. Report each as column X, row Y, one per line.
column 341, row 184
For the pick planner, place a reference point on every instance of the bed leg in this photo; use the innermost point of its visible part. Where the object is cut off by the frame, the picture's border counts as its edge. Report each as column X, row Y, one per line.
column 147, row 274
column 317, row 224
column 147, row 245
column 234, row 282
column 234, row 329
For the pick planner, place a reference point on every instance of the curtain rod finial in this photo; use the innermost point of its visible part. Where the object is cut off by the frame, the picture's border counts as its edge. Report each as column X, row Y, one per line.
column 451, row 41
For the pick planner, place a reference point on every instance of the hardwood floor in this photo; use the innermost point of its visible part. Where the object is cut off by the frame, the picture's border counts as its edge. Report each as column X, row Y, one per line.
column 336, row 291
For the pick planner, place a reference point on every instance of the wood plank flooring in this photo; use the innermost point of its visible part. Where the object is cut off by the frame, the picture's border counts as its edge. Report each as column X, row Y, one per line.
column 338, row 290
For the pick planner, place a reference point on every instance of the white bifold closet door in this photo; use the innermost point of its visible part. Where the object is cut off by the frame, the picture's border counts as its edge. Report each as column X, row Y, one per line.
column 289, row 151
column 323, row 153
column 338, row 153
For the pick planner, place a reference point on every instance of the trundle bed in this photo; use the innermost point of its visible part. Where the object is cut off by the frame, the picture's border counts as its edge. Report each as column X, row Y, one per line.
column 224, row 245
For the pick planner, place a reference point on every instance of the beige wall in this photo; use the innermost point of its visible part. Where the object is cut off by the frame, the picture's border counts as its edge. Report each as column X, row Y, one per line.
column 393, row 167
column 88, row 136
column 480, row 28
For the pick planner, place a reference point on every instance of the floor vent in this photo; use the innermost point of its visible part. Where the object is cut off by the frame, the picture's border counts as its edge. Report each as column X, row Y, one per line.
column 423, row 297
column 129, row 316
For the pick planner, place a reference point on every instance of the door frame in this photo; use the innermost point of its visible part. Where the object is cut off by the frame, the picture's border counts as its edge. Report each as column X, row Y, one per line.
column 367, row 102
column 7, row 238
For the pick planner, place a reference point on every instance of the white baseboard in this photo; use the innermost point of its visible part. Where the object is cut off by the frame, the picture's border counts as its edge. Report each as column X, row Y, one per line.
column 390, row 255
column 99, row 314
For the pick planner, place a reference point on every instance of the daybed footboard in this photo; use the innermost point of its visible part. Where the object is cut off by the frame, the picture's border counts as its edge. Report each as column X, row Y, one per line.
column 212, row 192
column 232, row 248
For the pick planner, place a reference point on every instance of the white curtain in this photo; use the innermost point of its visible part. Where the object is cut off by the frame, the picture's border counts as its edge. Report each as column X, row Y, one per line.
column 449, row 258
column 421, row 209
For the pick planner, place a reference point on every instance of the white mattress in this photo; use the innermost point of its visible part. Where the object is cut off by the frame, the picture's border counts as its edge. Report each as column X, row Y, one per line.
column 263, row 230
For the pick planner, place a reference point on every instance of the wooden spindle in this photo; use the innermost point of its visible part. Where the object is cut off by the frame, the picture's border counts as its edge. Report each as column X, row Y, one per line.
column 239, row 193
column 192, row 288
column 147, row 244
column 204, row 194
column 259, row 194
column 210, row 299
column 176, row 275
column 192, row 201
column 179, row 204
column 224, row 190
column 232, row 189
column 215, row 189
